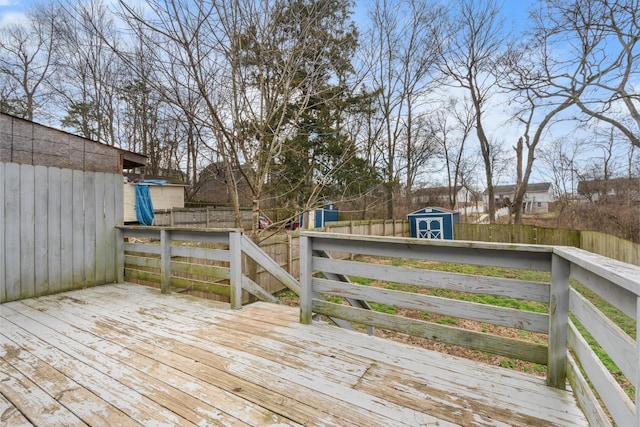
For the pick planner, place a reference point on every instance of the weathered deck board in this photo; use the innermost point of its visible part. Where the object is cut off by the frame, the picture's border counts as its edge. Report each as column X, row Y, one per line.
column 127, row 355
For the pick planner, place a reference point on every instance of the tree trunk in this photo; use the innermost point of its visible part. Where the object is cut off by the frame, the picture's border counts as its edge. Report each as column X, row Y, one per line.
column 518, row 196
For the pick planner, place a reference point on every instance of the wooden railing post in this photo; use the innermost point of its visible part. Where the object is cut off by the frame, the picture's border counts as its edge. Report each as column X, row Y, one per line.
column 558, row 322
column 119, row 255
column 638, row 361
column 235, row 269
column 306, row 272
column 165, row 261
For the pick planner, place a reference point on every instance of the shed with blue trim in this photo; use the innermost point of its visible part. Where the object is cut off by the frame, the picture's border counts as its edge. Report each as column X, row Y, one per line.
column 328, row 213
column 433, row 223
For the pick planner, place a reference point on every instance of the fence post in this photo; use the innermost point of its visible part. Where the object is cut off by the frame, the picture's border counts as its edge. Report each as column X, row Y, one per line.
column 235, row 269
column 165, row 261
column 306, row 291
column 558, row 322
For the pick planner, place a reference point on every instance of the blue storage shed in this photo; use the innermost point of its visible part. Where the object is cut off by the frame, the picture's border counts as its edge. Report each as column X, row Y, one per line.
column 433, row 223
column 328, row 213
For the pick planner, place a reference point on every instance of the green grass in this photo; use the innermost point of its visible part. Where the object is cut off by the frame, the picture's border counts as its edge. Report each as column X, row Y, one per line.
column 627, row 324
column 383, row 308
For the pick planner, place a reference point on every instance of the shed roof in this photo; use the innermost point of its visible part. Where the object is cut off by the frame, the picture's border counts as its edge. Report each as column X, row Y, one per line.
column 429, row 209
column 26, row 142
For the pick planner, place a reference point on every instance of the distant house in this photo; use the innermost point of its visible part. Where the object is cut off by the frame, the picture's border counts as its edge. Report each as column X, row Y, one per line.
column 598, row 189
column 439, row 196
column 537, row 199
column 212, row 186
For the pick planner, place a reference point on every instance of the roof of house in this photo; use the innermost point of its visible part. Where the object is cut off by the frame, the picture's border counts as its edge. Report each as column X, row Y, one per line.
column 597, row 185
column 436, row 191
column 535, row 187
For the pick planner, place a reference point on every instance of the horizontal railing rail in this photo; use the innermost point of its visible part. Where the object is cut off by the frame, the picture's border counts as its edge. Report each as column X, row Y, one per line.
column 206, row 260
column 617, row 284
column 568, row 354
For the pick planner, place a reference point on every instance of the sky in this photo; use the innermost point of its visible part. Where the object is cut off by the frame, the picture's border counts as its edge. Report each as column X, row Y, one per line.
column 12, row 10
column 515, row 13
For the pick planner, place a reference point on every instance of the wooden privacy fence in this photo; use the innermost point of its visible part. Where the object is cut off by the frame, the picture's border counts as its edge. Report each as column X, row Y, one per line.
column 373, row 227
column 57, row 229
column 207, row 217
column 616, row 282
column 592, row 241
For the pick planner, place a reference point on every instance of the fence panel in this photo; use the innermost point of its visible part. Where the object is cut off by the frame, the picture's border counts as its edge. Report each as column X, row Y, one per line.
column 207, row 217
column 57, row 229
column 592, row 241
column 610, row 246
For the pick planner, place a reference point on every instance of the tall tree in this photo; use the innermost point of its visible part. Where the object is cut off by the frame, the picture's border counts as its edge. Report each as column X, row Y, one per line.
column 88, row 83
column 451, row 125
column 471, row 51
column 256, row 66
column 29, row 53
column 600, row 58
column 401, row 55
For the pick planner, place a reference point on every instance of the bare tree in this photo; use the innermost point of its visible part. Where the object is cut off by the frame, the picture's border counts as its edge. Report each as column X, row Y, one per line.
column 476, row 42
column 600, row 57
column 29, row 58
column 401, row 54
column 452, row 125
column 88, row 83
column 560, row 164
column 255, row 65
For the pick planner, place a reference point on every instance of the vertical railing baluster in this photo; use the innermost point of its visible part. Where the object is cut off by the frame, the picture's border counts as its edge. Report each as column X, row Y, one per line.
column 558, row 322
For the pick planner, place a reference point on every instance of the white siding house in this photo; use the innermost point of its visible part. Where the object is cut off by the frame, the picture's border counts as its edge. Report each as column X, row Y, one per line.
column 537, row 199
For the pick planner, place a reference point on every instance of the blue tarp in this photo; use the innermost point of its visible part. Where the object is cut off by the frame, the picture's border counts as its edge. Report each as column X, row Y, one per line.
column 144, row 207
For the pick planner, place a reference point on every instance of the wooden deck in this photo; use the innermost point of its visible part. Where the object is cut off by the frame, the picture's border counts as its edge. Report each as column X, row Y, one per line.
column 127, row 355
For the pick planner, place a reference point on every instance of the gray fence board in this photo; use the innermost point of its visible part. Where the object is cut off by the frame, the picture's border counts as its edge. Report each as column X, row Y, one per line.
column 89, row 228
column 54, row 229
column 66, row 229
column 2, row 221
column 110, row 218
column 40, row 229
column 27, row 219
column 57, row 229
column 100, row 226
column 77, row 207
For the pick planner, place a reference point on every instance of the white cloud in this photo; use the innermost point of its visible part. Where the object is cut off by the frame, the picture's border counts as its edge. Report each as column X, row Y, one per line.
column 11, row 17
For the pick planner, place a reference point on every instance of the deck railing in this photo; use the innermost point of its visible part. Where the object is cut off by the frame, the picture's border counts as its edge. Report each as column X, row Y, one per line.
column 207, row 260
column 567, row 354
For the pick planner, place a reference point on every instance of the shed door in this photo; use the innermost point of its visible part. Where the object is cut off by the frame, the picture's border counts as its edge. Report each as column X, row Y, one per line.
column 429, row 228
